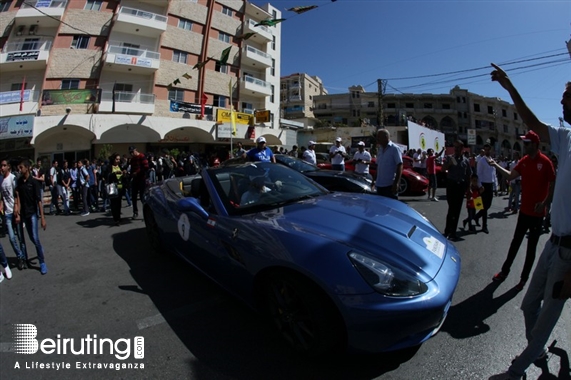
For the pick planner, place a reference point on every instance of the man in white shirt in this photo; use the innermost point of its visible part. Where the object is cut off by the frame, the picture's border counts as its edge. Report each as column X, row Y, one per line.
column 362, row 160
column 309, row 154
column 337, row 154
column 486, row 178
column 389, row 165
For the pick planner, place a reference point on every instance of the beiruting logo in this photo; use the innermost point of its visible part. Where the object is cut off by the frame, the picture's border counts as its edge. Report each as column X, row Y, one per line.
column 26, row 343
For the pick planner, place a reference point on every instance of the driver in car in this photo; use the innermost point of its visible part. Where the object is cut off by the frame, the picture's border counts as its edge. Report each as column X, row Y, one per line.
column 255, row 191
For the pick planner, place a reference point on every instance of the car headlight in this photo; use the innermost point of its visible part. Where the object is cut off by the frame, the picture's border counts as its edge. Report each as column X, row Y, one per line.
column 385, row 279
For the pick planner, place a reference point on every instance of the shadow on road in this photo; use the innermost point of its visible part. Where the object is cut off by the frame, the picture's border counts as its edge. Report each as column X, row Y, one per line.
column 467, row 319
column 226, row 338
column 564, row 369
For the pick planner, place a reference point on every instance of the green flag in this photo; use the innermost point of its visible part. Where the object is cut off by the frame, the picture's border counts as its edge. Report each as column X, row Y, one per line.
column 225, row 55
column 199, row 65
column 270, row 22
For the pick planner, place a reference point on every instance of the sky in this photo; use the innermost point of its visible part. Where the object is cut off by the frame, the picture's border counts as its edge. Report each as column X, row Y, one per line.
column 349, row 42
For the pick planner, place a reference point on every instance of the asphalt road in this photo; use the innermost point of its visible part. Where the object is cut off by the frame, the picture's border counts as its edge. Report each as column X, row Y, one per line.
column 102, row 281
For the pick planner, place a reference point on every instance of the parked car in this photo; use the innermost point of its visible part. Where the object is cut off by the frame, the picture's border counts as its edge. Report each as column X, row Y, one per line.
column 440, row 174
column 334, row 271
column 332, row 180
column 411, row 182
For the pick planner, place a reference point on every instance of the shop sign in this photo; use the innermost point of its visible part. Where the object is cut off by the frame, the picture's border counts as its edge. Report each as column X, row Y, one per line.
column 23, row 56
column 471, row 136
column 194, row 108
column 262, row 116
column 223, row 116
column 170, row 139
column 14, row 96
column 86, row 96
column 16, row 126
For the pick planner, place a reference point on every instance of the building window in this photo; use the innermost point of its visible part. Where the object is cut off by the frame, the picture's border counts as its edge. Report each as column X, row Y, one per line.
column 176, row 94
column 504, row 113
column 355, row 94
column 476, row 107
column 457, row 99
column 506, row 129
column 463, row 99
column 427, row 105
column 247, row 107
column 310, row 97
column 272, row 99
column 445, row 106
column 273, row 69
column 219, row 101
column 224, row 37
column 80, row 42
column 93, row 5
column 130, row 49
column 409, row 105
column 370, row 104
column 179, row 56
column 5, row 6
column 18, row 86
column 273, row 42
column 356, row 113
column 391, row 105
column 465, row 115
column 221, row 68
column 185, row 24
column 283, row 86
column 227, row 11
column 490, row 110
column 123, row 87
column 70, row 84
column 515, row 116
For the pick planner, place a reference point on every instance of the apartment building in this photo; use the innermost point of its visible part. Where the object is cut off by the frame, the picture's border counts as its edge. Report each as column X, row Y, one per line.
column 79, row 74
column 456, row 113
column 297, row 92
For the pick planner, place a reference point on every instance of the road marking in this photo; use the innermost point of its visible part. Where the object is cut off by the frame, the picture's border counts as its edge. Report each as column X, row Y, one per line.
column 7, row 347
column 176, row 313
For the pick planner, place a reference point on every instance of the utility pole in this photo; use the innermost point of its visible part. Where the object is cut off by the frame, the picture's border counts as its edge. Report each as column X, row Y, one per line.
column 381, row 87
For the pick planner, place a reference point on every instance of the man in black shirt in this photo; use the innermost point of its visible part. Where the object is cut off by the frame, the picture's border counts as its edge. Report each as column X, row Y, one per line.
column 28, row 203
column 457, row 182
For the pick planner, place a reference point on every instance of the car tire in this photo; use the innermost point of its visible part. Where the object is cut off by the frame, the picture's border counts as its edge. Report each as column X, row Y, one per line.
column 152, row 231
column 403, row 186
column 304, row 315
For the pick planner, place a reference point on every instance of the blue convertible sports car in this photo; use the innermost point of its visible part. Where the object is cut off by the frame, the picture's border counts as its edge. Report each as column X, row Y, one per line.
column 335, row 271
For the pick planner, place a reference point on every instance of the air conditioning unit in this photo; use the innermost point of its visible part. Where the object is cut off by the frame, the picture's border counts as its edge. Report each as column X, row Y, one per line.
column 33, row 30
column 20, row 30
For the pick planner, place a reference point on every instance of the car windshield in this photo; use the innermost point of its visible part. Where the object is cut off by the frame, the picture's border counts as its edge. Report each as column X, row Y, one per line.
column 259, row 186
column 295, row 163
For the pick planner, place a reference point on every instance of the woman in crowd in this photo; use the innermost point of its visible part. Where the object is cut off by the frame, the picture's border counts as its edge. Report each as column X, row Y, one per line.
column 116, row 175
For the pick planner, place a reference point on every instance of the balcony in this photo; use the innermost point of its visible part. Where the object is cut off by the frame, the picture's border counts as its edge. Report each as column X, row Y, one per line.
column 254, row 57
column 262, row 30
column 25, row 55
column 255, row 87
column 135, row 61
column 51, row 12
column 139, row 22
column 127, row 102
column 10, row 102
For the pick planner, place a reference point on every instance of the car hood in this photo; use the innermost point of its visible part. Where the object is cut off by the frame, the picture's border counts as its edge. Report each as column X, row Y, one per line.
column 333, row 173
column 380, row 227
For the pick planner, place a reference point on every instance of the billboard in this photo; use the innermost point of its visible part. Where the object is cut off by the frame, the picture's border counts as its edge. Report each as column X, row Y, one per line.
column 424, row 138
column 16, row 126
column 88, row 96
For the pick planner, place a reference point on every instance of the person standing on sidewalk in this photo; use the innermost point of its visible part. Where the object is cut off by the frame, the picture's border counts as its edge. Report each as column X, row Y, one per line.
column 538, row 178
column 487, row 177
column 550, row 285
column 515, row 185
column 457, row 183
column 83, row 183
column 7, row 204
column 139, row 167
column 431, row 172
column 28, row 201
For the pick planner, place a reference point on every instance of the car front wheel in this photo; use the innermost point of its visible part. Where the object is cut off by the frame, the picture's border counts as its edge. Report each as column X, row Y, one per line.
column 303, row 314
column 403, row 186
column 152, row 230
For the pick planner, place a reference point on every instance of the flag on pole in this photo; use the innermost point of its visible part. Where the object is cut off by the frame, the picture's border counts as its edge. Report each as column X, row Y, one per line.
column 270, row 22
column 176, row 81
column 187, row 76
column 199, row 65
column 22, row 94
column 225, row 55
column 203, row 101
column 232, row 116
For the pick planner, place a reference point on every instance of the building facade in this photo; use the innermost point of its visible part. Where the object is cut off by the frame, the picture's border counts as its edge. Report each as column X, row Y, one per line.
column 493, row 120
column 79, row 74
column 297, row 92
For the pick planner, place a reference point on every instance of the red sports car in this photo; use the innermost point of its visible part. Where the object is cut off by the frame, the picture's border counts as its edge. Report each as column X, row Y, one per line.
column 411, row 182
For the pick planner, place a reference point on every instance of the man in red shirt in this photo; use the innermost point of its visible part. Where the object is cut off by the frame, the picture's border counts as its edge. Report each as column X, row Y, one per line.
column 537, row 181
column 431, row 171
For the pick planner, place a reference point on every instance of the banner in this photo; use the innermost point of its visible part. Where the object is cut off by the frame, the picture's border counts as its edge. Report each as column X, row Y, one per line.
column 176, row 106
column 89, row 96
column 262, row 116
column 23, row 56
column 471, row 134
column 225, row 116
column 424, row 138
column 16, row 126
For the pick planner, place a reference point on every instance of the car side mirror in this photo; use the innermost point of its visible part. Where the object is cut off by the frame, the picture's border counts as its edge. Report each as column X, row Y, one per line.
column 191, row 204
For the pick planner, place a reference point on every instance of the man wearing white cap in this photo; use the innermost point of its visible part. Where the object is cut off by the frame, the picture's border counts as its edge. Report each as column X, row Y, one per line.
column 362, row 159
column 261, row 152
column 309, row 153
column 337, row 155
